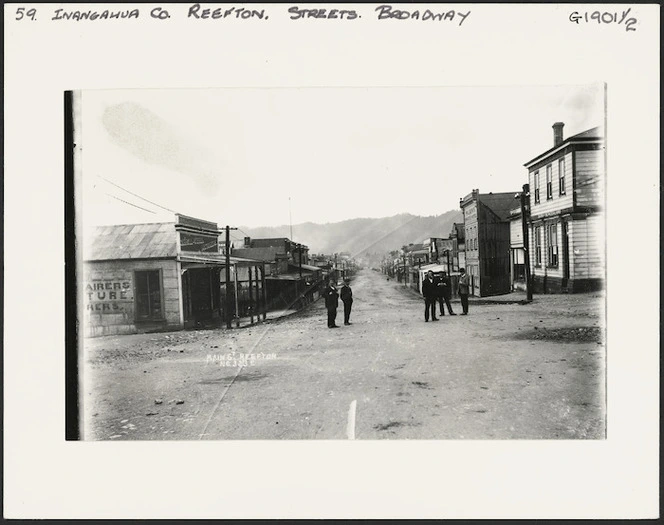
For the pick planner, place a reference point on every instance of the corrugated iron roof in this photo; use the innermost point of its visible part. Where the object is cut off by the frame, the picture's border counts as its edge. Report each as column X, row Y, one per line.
column 131, row 241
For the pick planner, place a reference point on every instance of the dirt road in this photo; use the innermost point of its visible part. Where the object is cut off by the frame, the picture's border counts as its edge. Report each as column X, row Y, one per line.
column 506, row 371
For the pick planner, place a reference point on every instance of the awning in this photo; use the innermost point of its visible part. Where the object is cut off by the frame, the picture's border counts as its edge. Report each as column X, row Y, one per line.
column 216, row 259
column 283, row 277
column 433, row 267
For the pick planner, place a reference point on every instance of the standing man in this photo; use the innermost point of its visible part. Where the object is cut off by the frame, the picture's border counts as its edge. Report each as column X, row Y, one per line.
column 464, row 288
column 347, row 298
column 430, row 293
column 331, row 302
column 445, row 286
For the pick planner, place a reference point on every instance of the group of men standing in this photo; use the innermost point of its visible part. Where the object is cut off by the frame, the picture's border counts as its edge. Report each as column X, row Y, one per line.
column 332, row 302
column 439, row 289
column 434, row 289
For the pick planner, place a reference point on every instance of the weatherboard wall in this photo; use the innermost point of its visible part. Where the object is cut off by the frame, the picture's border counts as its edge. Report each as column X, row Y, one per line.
column 109, row 297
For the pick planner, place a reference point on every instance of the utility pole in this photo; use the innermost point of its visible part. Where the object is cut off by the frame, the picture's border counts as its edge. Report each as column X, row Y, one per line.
column 299, row 246
column 299, row 263
column 405, row 275
column 229, row 302
column 525, row 194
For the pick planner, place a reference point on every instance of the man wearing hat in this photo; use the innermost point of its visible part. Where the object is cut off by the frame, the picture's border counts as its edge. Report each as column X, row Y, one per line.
column 464, row 290
column 331, row 302
column 445, row 291
column 347, row 298
column 430, row 293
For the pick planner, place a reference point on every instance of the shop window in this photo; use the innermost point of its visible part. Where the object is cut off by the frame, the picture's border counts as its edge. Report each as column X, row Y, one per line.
column 552, row 245
column 537, row 187
column 549, row 183
column 148, row 295
column 561, row 176
column 538, row 246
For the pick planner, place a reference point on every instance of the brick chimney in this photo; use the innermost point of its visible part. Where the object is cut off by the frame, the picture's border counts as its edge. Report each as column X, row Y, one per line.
column 558, row 133
column 247, row 242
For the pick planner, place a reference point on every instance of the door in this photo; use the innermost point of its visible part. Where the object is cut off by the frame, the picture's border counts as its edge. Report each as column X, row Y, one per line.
column 565, row 228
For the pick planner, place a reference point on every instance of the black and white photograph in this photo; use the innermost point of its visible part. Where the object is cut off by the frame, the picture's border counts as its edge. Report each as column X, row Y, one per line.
column 331, row 261
column 220, row 249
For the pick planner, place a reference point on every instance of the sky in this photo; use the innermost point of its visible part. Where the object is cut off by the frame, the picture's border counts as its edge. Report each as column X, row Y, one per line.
column 266, row 156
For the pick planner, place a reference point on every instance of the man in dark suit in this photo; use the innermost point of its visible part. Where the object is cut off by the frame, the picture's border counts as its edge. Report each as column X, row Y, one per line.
column 464, row 290
column 445, row 289
column 331, row 303
column 430, row 293
column 347, row 298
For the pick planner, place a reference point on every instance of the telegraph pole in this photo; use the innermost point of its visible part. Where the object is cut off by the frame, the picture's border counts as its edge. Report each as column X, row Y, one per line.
column 405, row 275
column 299, row 246
column 525, row 194
column 299, row 263
column 229, row 301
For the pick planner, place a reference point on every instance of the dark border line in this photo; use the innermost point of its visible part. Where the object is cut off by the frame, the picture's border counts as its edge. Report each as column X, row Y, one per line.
column 71, row 332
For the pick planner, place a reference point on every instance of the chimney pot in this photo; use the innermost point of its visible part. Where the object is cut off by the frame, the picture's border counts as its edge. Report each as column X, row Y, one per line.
column 558, row 133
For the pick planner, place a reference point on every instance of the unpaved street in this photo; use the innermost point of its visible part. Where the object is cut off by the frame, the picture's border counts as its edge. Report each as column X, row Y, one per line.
column 506, row 371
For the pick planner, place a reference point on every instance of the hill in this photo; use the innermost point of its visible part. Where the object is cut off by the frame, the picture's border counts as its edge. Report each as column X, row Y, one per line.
column 361, row 237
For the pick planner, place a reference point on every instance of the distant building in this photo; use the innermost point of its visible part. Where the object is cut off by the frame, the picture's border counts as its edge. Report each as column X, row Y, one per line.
column 417, row 254
column 276, row 252
column 289, row 283
column 487, row 241
column 458, row 237
column 566, row 223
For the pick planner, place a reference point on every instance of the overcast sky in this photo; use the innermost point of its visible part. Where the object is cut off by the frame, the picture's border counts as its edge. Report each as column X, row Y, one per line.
column 236, row 156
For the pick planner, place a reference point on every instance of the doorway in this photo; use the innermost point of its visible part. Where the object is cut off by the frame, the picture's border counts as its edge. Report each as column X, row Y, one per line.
column 565, row 228
column 201, row 297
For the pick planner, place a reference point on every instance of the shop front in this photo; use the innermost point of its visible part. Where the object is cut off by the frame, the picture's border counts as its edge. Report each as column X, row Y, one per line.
column 137, row 278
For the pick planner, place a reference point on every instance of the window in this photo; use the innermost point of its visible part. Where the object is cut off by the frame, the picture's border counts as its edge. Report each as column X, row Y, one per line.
column 519, row 264
column 552, row 245
column 148, row 295
column 538, row 246
column 537, row 187
column 561, row 176
column 549, row 183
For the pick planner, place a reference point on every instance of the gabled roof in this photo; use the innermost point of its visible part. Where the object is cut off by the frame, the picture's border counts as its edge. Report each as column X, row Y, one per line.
column 499, row 203
column 460, row 228
column 590, row 135
column 131, row 241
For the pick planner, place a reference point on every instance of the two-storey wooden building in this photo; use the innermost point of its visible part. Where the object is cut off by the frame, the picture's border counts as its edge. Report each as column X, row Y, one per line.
column 566, row 219
column 487, row 241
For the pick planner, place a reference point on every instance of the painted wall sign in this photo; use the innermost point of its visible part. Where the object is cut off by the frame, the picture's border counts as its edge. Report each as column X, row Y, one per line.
column 108, row 295
column 192, row 242
column 470, row 211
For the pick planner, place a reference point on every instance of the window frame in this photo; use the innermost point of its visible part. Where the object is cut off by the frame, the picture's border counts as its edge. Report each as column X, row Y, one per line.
column 151, row 317
column 561, row 177
column 552, row 251
column 549, row 182
column 536, row 184
column 537, row 234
